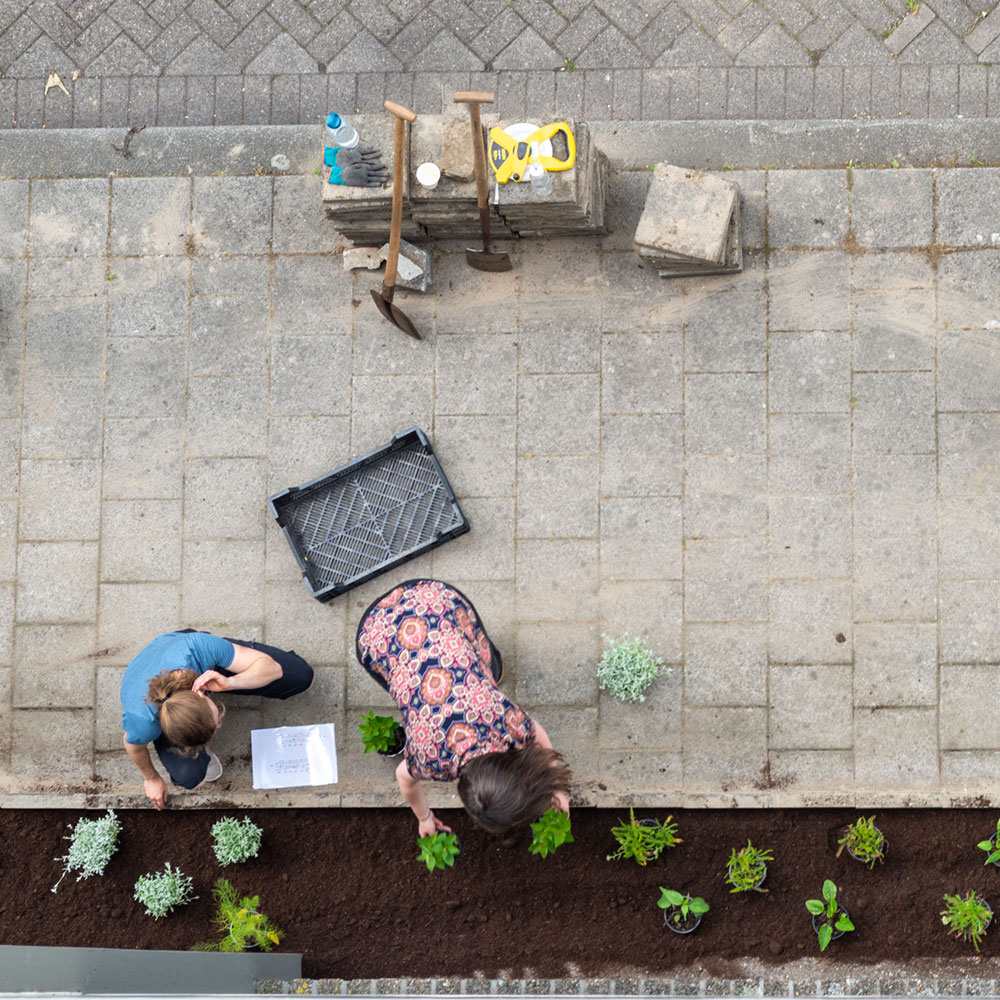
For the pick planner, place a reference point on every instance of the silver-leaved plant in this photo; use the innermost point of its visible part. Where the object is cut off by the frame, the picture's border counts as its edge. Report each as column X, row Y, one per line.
column 628, row 667
column 161, row 892
column 235, row 841
column 92, row 843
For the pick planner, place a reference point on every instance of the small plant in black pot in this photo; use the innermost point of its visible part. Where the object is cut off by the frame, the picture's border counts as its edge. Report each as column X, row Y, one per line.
column 747, row 868
column 382, row 735
column 644, row 840
column 243, row 926
column 991, row 848
column 829, row 919
column 439, row 850
column 681, row 913
column 550, row 832
column 864, row 841
column 967, row 916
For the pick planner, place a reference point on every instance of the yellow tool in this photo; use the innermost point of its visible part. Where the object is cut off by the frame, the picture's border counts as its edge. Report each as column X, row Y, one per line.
column 509, row 156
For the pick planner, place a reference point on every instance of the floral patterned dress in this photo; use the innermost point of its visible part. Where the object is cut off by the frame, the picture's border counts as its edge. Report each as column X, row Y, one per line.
column 423, row 641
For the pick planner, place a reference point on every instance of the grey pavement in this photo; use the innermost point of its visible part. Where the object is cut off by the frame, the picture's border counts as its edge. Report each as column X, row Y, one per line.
column 232, row 62
column 787, row 479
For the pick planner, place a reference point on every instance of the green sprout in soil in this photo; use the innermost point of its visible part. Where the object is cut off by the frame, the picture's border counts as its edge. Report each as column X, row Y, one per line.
column 967, row 916
column 990, row 847
column 550, row 832
column 644, row 842
column 864, row 841
column 628, row 667
column 92, row 844
column 747, row 868
column 439, row 850
column 235, row 842
column 686, row 906
column 828, row 912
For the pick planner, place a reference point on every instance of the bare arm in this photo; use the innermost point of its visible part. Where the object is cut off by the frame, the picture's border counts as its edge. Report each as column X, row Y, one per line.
column 542, row 739
column 153, row 785
column 250, row 667
column 414, row 795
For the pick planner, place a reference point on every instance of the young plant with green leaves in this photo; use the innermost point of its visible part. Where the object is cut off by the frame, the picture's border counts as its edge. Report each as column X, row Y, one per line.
column 967, row 916
column 628, row 667
column 828, row 915
column 747, row 868
column 685, row 907
column 381, row 734
column 643, row 842
column 991, row 848
column 161, row 892
column 235, row 841
column 550, row 832
column 439, row 850
column 864, row 841
column 242, row 925
column 91, row 846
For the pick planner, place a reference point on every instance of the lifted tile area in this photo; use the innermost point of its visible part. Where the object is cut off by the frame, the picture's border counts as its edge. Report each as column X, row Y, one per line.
column 787, row 480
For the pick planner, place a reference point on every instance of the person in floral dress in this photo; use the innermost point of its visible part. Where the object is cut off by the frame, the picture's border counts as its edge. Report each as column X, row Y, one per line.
column 425, row 644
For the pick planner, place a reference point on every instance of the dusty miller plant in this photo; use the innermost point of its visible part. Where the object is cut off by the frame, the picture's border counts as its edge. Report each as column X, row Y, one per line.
column 235, row 841
column 161, row 892
column 92, row 843
column 628, row 667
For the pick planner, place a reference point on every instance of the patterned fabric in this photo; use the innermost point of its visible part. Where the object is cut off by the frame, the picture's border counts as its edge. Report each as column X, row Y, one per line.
column 425, row 640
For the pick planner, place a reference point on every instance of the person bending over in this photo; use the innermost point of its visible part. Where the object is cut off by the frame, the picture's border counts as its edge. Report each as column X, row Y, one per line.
column 424, row 643
column 164, row 695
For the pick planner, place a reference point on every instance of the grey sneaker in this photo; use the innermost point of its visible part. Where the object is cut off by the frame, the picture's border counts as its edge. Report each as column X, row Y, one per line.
column 214, row 771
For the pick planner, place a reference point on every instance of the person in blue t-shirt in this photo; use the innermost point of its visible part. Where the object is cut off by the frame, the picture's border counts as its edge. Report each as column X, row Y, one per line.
column 164, row 695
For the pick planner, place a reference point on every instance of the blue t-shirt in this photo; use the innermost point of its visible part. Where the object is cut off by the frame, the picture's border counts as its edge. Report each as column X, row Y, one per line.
column 197, row 651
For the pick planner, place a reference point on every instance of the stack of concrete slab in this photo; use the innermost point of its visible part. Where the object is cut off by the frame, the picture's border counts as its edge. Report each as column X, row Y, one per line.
column 690, row 223
column 575, row 206
column 363, row 214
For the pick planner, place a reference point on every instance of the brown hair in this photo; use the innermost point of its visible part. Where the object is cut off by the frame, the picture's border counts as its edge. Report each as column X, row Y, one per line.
column 186, row 718
column 500, row 790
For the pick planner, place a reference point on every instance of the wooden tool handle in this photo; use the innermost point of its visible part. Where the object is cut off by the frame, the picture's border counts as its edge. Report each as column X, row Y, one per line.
column 473, row 97
column 396, row 226
column 479, row 157
column 404, row 114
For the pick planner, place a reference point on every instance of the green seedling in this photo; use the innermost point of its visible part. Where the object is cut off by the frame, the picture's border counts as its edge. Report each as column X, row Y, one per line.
column 967, row 916
column 829, row 912
column 686, row 906
column 644, row 842
column 243, row 926
column 991, row 849
column 974, row 160
column 235, row 842
column 439, row 850
column 550, row 832
column 864, row 840
column 747, row 868
column 379, row 733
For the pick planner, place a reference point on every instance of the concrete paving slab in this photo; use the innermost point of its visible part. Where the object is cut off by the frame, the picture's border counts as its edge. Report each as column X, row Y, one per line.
column 786, row 479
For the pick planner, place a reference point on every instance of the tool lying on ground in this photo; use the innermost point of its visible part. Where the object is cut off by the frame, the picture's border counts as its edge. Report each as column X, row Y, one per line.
column 383, row 299
column 360, row 166
column 485, row 259
column 509, row 155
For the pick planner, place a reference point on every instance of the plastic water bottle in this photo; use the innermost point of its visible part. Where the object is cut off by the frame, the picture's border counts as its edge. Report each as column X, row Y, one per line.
column 340, row 132
column 541, row 182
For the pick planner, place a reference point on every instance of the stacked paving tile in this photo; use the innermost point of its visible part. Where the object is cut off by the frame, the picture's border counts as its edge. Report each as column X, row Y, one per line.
column 575, row 206
column 690, row 223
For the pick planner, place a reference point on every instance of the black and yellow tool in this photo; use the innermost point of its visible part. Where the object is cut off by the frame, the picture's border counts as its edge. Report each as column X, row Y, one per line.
column 509, row 156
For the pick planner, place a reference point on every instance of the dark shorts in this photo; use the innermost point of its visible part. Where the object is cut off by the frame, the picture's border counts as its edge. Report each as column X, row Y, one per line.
column 296, row 676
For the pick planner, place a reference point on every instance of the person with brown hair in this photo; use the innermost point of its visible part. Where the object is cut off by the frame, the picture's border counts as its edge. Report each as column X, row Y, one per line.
column 164, row 695
column 424, row 643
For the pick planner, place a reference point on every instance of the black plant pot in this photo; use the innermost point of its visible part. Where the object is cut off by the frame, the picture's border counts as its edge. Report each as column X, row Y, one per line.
column 818, row 922
column 692, row 924
column 397, row 745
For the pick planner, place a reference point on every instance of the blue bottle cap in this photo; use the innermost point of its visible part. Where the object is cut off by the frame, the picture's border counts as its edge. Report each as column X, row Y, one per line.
column 333, row 121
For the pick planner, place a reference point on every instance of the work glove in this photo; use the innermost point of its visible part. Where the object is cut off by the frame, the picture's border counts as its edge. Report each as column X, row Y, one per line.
column 360, row 166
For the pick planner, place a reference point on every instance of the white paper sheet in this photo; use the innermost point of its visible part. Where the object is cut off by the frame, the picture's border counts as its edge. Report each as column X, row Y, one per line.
column 294, row 756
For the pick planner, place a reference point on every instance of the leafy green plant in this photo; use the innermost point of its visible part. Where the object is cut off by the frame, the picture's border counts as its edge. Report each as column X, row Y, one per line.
column 628, row 667
column 833, row 917
column 686, row 906
column 991, row 848
column 381, row 734
column 550, row 832
column 93, row 842
column 243, row 926
column 864, row 841
column 646, row 842
column 439, row 850
column 235, row 842
column 967, row 916
column 747, row 868
column 161, row 892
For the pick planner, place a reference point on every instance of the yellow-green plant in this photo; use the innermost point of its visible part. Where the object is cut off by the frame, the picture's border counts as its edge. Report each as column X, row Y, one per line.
column 244, row 926
column 644, row 842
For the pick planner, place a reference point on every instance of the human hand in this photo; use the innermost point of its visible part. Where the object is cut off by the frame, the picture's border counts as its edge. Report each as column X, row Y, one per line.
column 562, row 801
column 430, row 825
column 156, row 791
column 210, row 680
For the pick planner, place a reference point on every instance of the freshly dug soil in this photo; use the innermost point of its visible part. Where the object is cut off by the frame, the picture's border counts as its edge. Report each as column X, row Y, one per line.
column 345, row 886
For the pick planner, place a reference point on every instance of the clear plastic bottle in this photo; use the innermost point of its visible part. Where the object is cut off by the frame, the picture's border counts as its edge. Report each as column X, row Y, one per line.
column 538, row 176
column 340, row 132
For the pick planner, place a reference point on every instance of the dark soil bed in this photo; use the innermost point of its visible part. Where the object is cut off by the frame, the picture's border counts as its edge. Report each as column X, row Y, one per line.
column 345, row 887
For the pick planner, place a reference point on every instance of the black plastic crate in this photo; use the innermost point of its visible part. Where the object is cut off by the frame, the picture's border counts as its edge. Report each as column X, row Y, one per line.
column 370, row 515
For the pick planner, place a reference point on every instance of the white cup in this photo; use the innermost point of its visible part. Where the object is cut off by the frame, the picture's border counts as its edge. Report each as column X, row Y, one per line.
column 428, row 175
